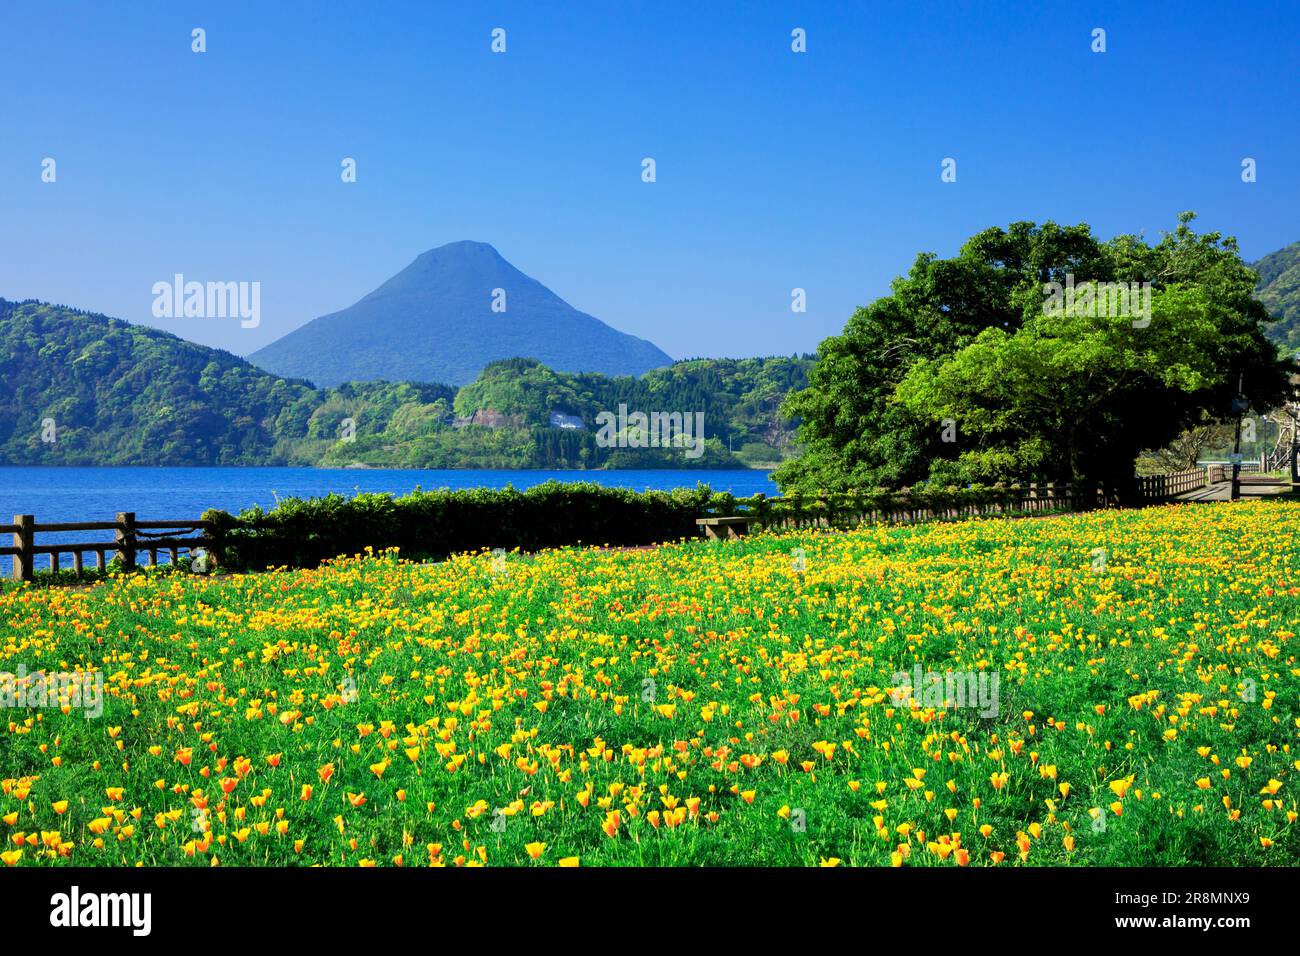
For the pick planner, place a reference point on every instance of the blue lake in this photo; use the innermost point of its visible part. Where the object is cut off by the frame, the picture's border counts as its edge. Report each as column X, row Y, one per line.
column 97, row 494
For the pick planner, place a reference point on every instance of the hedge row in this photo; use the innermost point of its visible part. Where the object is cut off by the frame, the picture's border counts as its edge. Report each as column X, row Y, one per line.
column 435, row 524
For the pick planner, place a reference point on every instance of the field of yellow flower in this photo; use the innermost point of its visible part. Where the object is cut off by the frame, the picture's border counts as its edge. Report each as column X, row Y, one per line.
column 723, row 704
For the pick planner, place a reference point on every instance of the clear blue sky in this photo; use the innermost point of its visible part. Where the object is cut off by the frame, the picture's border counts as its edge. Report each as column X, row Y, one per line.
column 775, row 170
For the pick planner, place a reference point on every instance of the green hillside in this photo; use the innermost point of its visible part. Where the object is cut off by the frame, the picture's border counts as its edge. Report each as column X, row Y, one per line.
column 119, row 394
column 1279, row 290
column 739, row 398
column 78, row 388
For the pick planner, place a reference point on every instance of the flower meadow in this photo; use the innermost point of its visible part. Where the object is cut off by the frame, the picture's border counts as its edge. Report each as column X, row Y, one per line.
column 696, row 704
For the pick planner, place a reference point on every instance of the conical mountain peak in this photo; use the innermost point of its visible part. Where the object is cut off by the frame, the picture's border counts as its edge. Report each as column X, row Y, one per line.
column 450, row 312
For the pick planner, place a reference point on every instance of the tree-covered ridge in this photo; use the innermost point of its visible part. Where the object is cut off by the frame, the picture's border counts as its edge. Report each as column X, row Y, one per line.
column 740, row 398
column 82, row 388
column 504, row 418
column 1279, row 290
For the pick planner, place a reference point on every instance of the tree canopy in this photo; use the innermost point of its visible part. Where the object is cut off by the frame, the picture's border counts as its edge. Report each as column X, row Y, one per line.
column 964, row 374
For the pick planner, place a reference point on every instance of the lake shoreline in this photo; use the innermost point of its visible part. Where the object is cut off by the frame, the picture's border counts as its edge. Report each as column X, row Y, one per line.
column 361, row 467
column 70, row 493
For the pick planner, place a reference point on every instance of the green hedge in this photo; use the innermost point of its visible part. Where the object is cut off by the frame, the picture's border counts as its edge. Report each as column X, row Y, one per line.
column 434, row 524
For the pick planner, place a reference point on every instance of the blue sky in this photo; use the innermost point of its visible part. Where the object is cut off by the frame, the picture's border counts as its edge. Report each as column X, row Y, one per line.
column 775, row 170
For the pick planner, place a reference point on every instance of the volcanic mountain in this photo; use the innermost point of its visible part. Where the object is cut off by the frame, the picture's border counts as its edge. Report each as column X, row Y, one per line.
column 445, row 316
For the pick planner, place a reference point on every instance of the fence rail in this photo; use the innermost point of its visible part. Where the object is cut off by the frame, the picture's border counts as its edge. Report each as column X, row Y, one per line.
column 1223, row 472
column 130, row 539
column 838, row 509
column 1156, row 487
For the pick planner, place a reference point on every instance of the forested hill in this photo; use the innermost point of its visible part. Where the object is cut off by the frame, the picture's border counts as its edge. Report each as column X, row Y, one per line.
column 740, row 400
column 1279, row 290
column 82, row 388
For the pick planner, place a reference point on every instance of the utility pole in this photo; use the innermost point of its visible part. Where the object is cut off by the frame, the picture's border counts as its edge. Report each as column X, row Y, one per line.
column 1295, row 448
column 1239, row 404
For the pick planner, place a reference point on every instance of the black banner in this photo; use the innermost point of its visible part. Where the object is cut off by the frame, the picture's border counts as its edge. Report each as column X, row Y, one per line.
column 131, row 906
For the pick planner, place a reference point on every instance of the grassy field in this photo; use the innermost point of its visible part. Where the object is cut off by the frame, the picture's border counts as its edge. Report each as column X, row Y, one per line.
column 695, row 704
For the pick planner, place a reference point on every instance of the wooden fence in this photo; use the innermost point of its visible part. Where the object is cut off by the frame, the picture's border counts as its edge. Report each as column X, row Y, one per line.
column 1158, row 487
column 847, row 509
column 1221, row 472
column 130, row 538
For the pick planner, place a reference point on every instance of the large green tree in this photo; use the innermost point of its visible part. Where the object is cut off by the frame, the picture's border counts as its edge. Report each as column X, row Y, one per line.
column 963, row 350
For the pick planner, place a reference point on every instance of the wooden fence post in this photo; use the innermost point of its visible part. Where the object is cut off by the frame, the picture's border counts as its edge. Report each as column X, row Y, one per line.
column 24, row 540
column 125, row 538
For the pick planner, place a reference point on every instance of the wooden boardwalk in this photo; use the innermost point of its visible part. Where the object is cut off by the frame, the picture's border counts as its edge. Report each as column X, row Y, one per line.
column 1252, row 487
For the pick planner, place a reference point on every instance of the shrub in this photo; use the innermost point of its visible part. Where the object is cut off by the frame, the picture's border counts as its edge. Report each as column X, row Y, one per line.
column 434, row 524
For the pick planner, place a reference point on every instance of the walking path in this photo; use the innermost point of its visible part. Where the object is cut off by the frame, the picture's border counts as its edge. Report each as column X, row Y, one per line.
column 1252, row 486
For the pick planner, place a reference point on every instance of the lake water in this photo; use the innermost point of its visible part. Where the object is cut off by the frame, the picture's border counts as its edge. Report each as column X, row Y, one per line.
column 97, row 494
